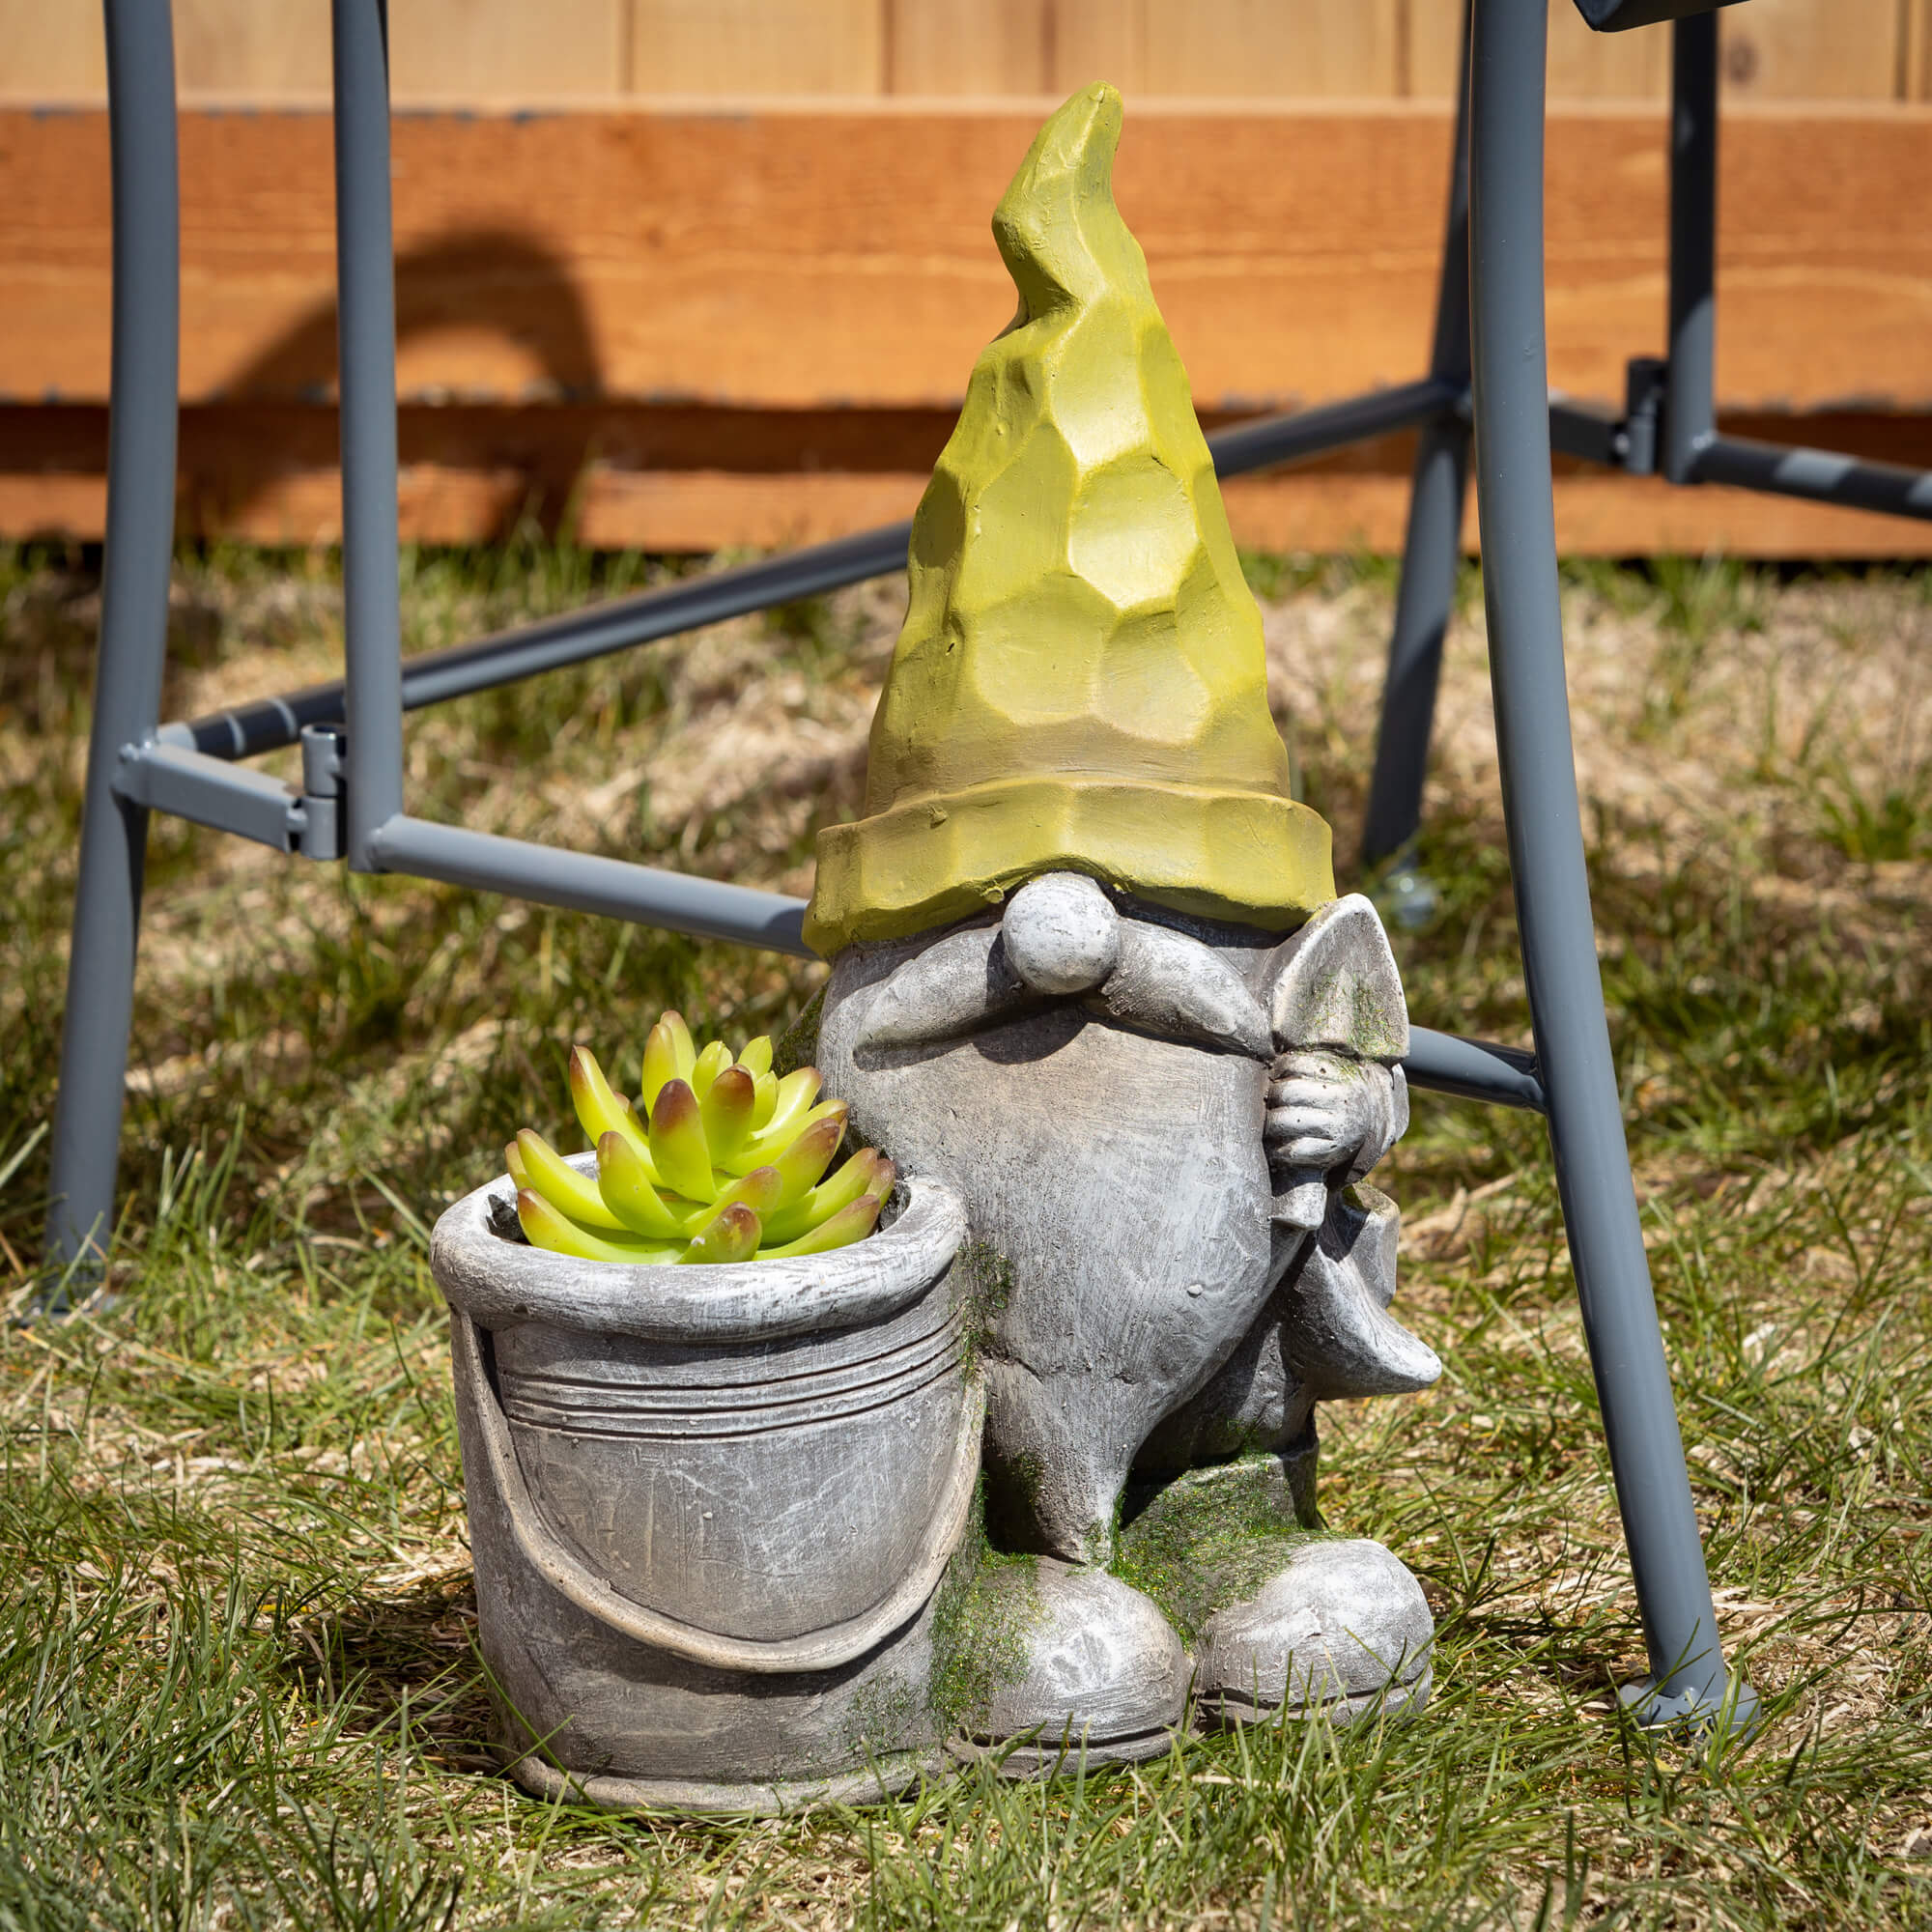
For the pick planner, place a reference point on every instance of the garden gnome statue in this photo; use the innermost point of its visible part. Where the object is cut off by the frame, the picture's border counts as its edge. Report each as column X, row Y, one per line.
column 1090, row 969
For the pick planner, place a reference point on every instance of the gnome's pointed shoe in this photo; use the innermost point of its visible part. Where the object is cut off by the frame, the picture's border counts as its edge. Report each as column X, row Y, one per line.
column 1341, row 1631
column 1088, row 1671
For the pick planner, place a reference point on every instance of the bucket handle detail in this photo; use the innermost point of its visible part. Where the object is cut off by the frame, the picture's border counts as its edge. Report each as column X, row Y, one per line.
column 818, row 1650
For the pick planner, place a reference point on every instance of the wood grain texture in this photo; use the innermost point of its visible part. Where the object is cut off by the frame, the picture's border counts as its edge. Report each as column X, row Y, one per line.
column 1586, row 66
column 1432, row 49
column 969, row 47
column 1093, row 38
column 511, row 52
column 55, row 50
column 242, row 48
column 1916, row 64
column 756, row 47
column 1247, row 48
column 482, row 50
column 796, row 259
column 1802, row 50
column 1303, row 48
column 1582, row 66
column 817, row 284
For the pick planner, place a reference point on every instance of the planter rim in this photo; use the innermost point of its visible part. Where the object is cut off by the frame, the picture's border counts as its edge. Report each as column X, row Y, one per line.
column 500, row 1283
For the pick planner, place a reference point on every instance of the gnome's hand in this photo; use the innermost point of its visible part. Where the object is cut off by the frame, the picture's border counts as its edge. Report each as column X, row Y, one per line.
column 1326, row 1111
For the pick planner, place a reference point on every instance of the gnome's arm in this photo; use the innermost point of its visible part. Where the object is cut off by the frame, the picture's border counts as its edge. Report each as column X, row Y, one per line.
column 1336, row 1103
column 1336, row 1099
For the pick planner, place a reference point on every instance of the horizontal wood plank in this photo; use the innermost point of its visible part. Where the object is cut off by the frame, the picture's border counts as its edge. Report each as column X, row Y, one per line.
column 1917, row 77
column 56, row 50
column 766, row 262
column 240, row 46
column 485, row 50
column 1796, row 49
column 797, row 259
column 513, row 54
column 969, row 47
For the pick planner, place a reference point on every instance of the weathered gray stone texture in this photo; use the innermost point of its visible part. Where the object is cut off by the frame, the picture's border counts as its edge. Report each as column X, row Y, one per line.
column 1156, row 1121
column 708, row 1532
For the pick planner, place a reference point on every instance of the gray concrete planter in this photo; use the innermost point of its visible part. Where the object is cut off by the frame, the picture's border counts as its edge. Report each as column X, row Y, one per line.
column 710, row 1508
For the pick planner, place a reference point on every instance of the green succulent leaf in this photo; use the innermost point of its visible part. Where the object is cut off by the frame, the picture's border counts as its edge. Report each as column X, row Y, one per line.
column 796, row 1093
column 803, row 1163
column 868, row 1172
column 757, row 1190
column 547, row 1227
column 660, row 1064
column 682, row 1045
column 624, row 1180
column 849, row 1224
column 773, row 1141
column 726, row 1109
column 678, row 1148
column 708, row 1066
column 732, row 1236
column 555, row 1181
column 600, row 1109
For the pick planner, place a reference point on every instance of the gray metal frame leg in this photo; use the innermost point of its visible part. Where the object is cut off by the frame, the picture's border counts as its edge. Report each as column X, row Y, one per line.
column 1689, row 410
column 1433, row 546
column 1552, row 893
column 366, row 285
column 133, row 628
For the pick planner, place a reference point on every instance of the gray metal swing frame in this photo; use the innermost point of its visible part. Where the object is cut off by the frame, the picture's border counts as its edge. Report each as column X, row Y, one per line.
column 1487, row 379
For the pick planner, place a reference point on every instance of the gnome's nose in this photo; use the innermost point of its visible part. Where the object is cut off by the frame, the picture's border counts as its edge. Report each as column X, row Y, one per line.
column 1062, row 935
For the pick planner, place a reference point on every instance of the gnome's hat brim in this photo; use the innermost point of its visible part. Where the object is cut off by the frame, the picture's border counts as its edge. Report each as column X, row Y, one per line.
column 1081, row 684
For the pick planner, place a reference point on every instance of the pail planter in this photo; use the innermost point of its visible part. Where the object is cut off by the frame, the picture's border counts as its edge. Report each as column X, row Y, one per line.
column 710, row 1507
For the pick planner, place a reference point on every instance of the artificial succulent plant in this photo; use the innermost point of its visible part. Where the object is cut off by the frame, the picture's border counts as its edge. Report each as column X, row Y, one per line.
column 719, row 1160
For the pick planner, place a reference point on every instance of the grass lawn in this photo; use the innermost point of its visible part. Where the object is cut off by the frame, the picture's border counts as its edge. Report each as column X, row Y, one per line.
column 239, row 1684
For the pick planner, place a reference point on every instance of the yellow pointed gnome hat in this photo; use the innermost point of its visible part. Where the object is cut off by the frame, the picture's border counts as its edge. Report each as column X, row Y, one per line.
column 1080, row 685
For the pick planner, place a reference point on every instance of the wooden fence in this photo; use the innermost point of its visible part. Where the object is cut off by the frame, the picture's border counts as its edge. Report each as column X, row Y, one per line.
column 708, row 272
column 531, row 52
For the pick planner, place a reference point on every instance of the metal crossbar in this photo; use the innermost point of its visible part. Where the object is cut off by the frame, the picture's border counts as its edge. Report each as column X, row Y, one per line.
column 1488, row 375
column 579, row 635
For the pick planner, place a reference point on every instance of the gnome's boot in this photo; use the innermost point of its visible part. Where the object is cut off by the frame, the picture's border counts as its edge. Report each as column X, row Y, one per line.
column 1082, row 1670
column 1342, row 1631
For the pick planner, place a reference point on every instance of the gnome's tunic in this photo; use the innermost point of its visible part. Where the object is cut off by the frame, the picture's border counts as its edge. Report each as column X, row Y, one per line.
column 1058, row 929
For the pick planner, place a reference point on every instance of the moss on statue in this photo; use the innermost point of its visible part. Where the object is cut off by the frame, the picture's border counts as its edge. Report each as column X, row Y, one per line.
column 984, row 1286
column 979, row 1630
column 798, row 1046
column 890, row 1717
column 1210, row 1538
